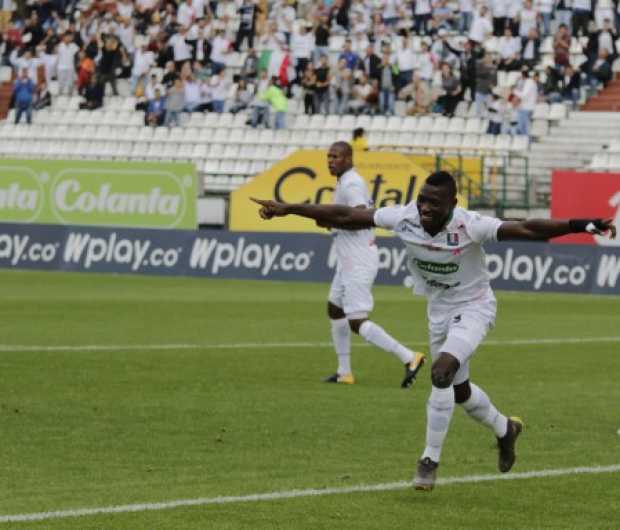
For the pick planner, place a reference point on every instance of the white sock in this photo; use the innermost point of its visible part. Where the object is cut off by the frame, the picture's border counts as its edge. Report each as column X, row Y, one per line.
column 341, row 337
column 377, row 336
column 439, row 409
column 479, row 407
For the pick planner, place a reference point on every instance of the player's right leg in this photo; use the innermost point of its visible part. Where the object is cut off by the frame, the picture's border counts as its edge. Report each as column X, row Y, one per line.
column 340, row 332
column 439, row 409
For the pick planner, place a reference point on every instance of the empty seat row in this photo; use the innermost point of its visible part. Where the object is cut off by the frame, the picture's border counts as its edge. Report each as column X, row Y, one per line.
column 606, row 161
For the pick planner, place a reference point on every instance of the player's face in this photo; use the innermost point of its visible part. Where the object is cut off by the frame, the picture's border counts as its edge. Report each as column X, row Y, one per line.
column 337, row 161
column 435, row 205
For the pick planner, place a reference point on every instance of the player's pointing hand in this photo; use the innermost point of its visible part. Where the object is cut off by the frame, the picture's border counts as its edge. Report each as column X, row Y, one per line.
column 270, row 209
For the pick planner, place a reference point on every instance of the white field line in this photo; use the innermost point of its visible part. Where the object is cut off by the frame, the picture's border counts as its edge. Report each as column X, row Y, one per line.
column 291, row 494
column 14, row 348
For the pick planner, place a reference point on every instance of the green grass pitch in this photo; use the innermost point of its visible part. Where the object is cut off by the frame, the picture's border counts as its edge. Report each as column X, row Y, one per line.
column 88, row 428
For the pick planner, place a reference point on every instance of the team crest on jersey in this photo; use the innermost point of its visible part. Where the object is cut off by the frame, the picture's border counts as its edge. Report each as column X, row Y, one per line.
column 453, row 239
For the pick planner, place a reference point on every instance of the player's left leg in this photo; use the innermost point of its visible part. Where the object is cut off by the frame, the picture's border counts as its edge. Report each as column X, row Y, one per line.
column 358, row 302
column 467, row 331
column 478, row 405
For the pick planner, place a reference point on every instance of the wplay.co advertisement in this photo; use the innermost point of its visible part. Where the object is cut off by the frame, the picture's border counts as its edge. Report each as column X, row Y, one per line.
column 283, row 256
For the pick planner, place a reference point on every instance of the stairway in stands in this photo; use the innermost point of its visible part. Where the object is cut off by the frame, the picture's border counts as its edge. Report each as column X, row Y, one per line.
column 6, row 89
column 607, row 100
column 571, row 143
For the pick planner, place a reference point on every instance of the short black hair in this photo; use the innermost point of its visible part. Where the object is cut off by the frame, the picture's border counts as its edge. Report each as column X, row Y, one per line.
column 346, row 149
column 443, row 179
column 358, row 132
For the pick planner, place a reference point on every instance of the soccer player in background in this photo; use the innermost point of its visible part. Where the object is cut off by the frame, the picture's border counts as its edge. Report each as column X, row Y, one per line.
column 447, row 262
column 350, row 296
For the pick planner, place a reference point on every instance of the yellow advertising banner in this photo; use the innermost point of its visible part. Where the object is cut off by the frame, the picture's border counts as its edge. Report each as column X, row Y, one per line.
column 392, row 179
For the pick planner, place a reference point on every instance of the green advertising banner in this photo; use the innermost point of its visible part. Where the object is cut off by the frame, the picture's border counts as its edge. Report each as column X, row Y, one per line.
column 144, row 195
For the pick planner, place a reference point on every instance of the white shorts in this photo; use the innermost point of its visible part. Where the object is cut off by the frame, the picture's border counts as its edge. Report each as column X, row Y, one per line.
column 459, row 329
column 351, row 290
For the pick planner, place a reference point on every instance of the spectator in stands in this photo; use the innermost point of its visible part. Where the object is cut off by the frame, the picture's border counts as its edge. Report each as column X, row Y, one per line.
column 220, row 48
column 387, row 83
column 247, row 23
column 67, row 50
column 156, row 110
column 443, row 16
column 601, row 71
column 278, row 104
column 527, row 93
column 43, row 97
column 570, row 86
column 602, row 39
column 143, row 59
column 497, row 110
column 481, row 27
column 249, row 70
column 545, row 11
column 219, row 88
column 509, row 48
column 23, row 96
column 110, row 62
column 486, row 81
column 466, row 15
column 350, row 57
column 308, row 84
column 181, row 50
column 302, row 44
column 564, row 13
column 442, row 51
column 426, row 63
column 323, row 81
column 451, row 90
column 193, row 94
column 371, row 63
column 422, row 14
column 604, row 10
column 175, row 103
column 530, row 47
column 242, row 97
column 93, row 95
column 86, row 69
column 341, row 87
column 359, row 141
column 551, row 86
column 417, row 96
column 170, row 75
column 362, row 96
column 561, row 46
column 321, row 39
column 499, row 11
column 405, row 62
column 582, row 13
column 528, row 19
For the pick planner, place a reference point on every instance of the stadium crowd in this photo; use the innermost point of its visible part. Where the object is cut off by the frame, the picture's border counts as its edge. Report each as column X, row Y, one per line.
column 427, row 54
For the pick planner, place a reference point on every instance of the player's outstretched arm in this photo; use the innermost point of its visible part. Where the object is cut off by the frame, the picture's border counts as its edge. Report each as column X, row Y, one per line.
column 543, row 229
column 333, row 215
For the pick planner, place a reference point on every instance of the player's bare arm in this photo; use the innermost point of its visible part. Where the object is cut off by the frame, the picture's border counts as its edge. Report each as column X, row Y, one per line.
column 544, row 229
column 332, row 215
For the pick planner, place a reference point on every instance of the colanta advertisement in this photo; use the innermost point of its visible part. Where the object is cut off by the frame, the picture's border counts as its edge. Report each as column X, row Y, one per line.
column 98, row 193
column 575, row 195
column 533, row 267
column 303, row 177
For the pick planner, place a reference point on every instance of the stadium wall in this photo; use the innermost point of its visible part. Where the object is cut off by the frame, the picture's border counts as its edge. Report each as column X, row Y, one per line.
column 285, row 256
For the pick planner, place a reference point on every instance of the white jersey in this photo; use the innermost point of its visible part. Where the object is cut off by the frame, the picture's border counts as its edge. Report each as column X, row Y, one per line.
column 449, row 267
column 353, row 245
